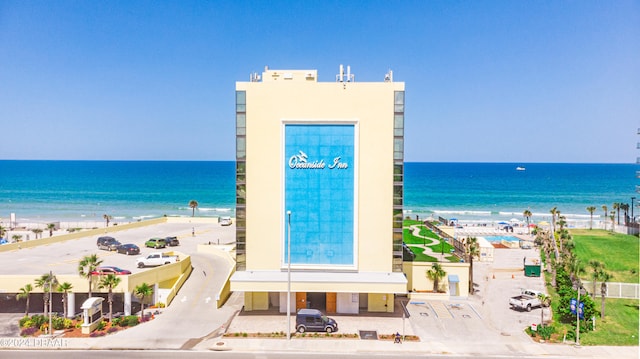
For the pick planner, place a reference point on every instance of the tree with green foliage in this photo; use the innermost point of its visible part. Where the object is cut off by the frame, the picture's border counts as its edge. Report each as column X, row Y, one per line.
column 616, row 208
column 591, row 209
column 65, row 288
column 545, row 301
column 143, row 291
column 554, row 212
column 193, row 204
column 604, row 279
column 87, row 265
column 37, row 232
column 606, row 212
column 17, row 238
column 109, row 281
column 25, row 292
column 47, row 282
column 107, row 218
column 51, row 227
column 527, row 216
column 472, row 250
column 596, row 269
column 436, row 273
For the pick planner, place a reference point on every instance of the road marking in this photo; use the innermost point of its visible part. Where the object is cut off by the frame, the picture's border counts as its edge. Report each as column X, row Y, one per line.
column 184, row 299
column 207, row 300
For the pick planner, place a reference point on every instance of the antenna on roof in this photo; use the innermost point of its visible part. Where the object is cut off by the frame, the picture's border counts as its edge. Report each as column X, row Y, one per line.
column 388, row 77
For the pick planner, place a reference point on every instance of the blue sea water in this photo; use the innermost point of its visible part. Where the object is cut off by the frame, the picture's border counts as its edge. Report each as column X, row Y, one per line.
column 44, row 191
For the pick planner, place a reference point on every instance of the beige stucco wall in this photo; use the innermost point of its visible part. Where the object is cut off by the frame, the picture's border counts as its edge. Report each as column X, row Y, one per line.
column 417, row 280
column 370, row 106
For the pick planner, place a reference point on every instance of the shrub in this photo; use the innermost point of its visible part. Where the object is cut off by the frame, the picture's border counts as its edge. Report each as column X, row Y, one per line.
column 57, row 322
column 133, row 320
column 115, row 321
column 67, row 323
column 27, row 332
column 101, row 325
column 26, row 322
column 38, row 320
column 545, row 332
column 112, row 330
column 161, row 305
column 97, row 334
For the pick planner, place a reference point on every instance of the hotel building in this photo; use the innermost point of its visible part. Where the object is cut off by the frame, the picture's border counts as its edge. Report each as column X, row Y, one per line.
column 319, row 192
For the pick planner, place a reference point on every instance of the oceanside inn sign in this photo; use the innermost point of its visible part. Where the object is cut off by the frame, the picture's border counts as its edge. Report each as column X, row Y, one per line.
column 300, row 161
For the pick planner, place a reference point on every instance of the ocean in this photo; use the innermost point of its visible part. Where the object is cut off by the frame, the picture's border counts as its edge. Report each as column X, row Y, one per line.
column 68, row 191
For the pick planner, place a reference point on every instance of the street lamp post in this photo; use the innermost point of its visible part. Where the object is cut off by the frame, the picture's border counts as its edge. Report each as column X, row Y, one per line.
column 288, row 275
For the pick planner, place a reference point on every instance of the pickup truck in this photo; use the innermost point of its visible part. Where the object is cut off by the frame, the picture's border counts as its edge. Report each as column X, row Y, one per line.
column 526, row 300
column 156, row 259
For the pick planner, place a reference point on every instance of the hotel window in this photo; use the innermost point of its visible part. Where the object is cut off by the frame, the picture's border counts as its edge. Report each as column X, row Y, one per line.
column 398, row 178
column 241, row 192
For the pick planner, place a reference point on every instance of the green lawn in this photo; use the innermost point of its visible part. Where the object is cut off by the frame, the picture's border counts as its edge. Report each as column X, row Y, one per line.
column 619, row 252
column 409, row 238
column 620, row 326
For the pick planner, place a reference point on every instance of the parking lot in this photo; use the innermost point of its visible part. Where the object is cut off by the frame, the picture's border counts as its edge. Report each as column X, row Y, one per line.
column 63, row 257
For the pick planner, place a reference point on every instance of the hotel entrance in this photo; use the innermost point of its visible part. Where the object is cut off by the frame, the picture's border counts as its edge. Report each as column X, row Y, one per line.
column 325, row 302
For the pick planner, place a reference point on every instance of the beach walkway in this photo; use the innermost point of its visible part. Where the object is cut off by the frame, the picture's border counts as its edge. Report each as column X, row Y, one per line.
column 428, row 242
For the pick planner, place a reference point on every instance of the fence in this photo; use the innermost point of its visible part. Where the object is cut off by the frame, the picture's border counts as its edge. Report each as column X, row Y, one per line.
column 615, row 290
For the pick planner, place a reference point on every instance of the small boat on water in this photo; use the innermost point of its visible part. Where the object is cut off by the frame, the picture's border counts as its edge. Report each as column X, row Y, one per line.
column 519, row 168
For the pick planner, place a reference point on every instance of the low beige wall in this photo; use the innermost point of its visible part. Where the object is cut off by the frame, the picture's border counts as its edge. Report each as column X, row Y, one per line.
column 80, row 234
column 223, row 251
column 417, row 280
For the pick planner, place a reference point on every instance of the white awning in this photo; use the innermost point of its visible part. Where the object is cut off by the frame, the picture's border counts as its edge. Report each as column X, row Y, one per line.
column 338, row 282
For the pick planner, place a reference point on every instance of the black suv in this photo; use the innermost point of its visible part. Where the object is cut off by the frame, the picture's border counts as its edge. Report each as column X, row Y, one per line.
column 107, row 243
column 172, row 241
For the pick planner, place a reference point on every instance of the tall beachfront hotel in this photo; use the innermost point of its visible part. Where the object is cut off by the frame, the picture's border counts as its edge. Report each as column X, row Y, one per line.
column 319, row 176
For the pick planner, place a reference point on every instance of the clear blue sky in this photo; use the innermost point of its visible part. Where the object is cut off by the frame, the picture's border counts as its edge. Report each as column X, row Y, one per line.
column 486, row 81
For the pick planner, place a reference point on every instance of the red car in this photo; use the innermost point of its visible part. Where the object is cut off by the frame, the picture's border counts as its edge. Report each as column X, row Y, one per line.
column 110, row 270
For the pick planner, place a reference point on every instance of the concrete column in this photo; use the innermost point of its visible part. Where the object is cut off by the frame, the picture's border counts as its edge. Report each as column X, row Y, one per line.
column 156, row 293
column 71, row 305
column 127, row 303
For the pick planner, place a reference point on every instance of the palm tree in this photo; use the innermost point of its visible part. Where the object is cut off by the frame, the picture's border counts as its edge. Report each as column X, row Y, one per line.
column 625, row 208
column 591, row 209
column 2, row 231
column 25, row 292
column 38, row 232
column 47, row 282
column 435, row 274
column 616, row 207
column 107, row 218
column 545, row 301
column 604, row 277
column 109, row 281
column 143, row 291
column 597, row 267
column 605, row 209
column 527, row 216
column 17, row 237
column 65, row 288
column 193, row 204
column 51, row 227
column 613, row 220
column 472, row 250
column 87, row 265
column 554, row 211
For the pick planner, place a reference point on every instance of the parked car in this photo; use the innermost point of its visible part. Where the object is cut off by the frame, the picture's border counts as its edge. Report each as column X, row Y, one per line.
column 156, row 259
column 128, row 249
column 312, row 320
column 155, row 243
column 526, row 300
column 104, row 270
column 107, row 243
column 172, row 241
column 225, row 221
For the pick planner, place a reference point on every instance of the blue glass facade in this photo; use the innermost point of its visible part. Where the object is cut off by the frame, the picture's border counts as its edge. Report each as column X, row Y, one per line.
column 319, row 191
